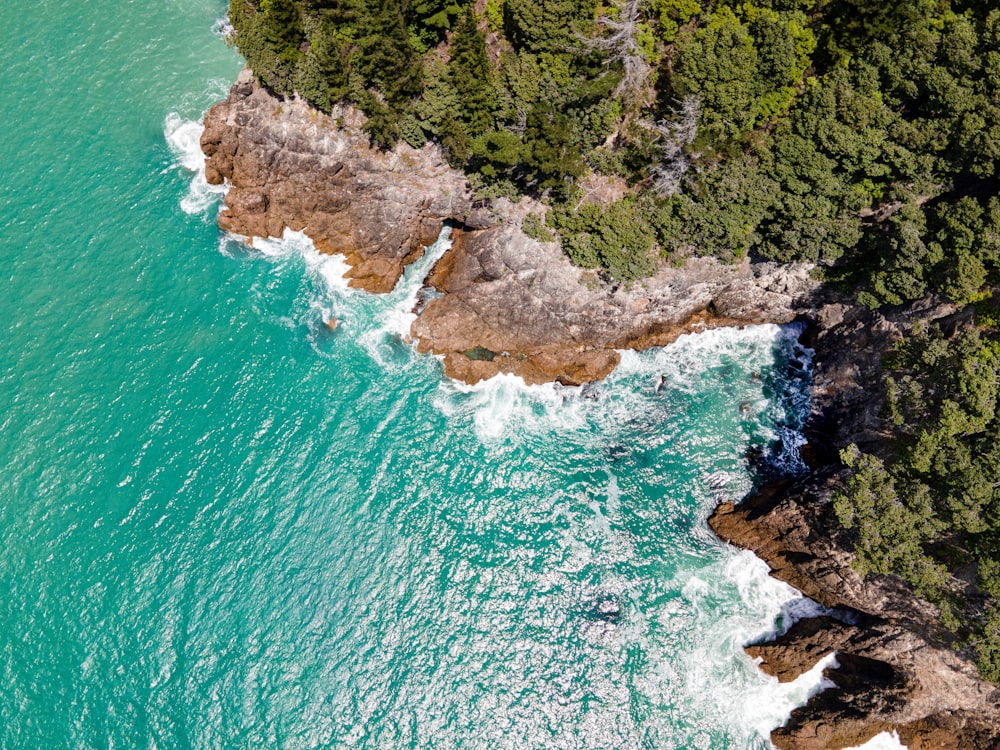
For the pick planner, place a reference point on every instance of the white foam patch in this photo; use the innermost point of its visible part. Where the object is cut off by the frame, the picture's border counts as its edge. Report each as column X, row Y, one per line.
column 184, row 140
column 504, row 404
column 393, row 313
column 379, row 323
column 720, row 681
column 330, row 268
column 883, row 741
column 223, row 27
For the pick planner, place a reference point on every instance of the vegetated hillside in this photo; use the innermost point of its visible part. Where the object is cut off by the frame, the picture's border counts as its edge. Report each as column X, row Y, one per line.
column 860, row 134
column 793, row 129
column 928, row 509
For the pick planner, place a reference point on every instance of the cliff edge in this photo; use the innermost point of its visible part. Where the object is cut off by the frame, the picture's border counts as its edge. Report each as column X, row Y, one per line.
column 508, row 302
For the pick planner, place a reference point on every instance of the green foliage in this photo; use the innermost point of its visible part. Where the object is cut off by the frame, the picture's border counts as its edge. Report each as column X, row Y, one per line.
column 546, row 25
column 934, row 505
column 534, row 226
column 611, row 237
column 863, row 136
column 494, row 14
column 428, row 20
column 281, row 26
column 470, row 73
column 892, row 527
column 322, row 78
column 672, row 15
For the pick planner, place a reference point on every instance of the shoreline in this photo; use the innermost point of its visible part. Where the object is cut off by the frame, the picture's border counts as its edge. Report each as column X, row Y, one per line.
column 509, row 304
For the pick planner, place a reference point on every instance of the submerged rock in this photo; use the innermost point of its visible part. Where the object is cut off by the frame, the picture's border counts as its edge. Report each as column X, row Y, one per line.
column 608, row 609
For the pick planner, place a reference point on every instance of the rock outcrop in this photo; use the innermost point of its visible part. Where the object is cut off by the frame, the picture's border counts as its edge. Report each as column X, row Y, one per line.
column 510, row 304
column 898, row 667
column 288, row 165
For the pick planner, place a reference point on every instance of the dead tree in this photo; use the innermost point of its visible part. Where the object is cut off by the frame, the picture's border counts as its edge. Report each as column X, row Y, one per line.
column 622, row 45
column 672, row 136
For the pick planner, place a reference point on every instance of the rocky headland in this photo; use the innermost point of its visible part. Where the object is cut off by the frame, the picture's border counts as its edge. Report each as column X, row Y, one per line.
column 508, row 303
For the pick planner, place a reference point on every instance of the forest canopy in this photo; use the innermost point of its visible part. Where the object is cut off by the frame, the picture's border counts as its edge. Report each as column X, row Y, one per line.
column 857, row 134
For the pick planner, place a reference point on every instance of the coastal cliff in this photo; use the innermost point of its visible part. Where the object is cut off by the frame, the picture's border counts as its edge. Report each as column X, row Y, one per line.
column 509, row 303
column 899, row 668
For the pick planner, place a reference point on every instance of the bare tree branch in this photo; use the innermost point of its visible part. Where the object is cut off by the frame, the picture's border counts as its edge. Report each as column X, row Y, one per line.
column 622, row 45
column 672, row 136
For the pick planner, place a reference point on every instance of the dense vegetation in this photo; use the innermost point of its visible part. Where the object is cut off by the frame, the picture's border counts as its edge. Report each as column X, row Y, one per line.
column 931, row 511
column 837, row 131
column 862, row 135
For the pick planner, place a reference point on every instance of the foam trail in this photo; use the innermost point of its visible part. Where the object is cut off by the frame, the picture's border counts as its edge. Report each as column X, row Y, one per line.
column 403, row 298
column 719, row 678
column 329, row 268
column 504, row 405
column 184, row 140
column 393, row 313
column 223, row 27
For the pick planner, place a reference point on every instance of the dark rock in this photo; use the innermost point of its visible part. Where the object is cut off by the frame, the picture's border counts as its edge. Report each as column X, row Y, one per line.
column 899, row 668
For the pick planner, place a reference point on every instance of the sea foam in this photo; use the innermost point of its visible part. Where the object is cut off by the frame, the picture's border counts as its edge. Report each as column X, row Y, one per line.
column 883, row 741
column 184, row 140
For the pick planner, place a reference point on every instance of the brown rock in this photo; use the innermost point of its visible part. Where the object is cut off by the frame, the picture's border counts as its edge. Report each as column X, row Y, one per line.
column 544, row 319
column 289, row 165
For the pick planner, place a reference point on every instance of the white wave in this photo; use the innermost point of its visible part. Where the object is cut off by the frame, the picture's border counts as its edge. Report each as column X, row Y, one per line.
column 505, row 404
column 720, row 681
column 223, row 27
column 330, row 268
column 379, row 323
column 681, row 364
column 184, row 140
column 883, row 741
column 393, row 313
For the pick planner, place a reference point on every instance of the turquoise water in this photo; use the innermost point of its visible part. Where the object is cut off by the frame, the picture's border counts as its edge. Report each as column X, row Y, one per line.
column 226, row 526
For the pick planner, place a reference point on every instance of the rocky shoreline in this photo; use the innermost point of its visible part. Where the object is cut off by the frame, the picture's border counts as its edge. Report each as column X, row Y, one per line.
column 508, row 303
column 899, row 669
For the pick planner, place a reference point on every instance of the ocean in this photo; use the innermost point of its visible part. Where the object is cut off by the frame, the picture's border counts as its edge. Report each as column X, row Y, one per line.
column 226, row 526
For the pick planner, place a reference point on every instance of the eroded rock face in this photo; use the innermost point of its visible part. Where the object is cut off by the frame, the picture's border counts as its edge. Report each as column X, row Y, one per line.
column 510, row 304
column 289, row 165
column 899, row 669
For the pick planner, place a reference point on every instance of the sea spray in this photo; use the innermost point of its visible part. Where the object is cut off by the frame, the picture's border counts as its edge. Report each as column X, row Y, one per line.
column 184, row 139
